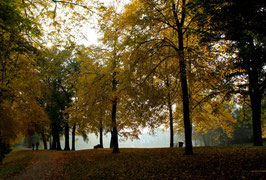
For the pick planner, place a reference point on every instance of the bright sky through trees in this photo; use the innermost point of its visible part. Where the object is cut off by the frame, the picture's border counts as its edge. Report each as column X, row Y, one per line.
column 88, row 34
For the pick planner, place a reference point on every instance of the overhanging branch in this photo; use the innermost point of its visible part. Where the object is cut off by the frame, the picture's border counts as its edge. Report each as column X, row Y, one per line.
column 75, row 4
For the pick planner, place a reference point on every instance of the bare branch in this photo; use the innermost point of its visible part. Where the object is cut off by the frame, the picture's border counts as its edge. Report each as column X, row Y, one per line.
column 75, row 4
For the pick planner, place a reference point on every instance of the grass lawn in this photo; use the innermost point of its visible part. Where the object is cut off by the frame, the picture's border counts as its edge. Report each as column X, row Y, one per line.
column 151, row 163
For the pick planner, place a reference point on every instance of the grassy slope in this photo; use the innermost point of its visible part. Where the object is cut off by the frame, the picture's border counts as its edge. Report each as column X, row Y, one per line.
column 163, row 163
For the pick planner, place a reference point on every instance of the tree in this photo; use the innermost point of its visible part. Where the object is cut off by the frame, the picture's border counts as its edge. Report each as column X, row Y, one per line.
column 112, row 88
column 242, row 23
column 56, row 68
column 20, row 87
column 162, row 31
column 165, row 24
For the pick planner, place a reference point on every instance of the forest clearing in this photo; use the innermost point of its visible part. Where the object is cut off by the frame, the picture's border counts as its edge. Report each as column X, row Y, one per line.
column 153, row 163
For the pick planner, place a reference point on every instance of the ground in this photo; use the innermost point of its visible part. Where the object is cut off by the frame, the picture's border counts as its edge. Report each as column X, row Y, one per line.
column 152, row 163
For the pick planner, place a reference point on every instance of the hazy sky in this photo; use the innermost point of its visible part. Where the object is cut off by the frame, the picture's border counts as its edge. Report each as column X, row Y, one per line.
column 91, row 33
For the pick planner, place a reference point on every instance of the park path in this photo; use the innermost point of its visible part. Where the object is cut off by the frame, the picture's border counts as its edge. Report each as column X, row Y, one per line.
column 43, row 165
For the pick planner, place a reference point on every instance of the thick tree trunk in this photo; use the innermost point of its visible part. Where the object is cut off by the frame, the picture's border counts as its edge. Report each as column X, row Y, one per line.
column 44, row 142
column 67, row 148
column 114, row 108
column 73, row 137
column 4, row 148
column 179, row 22
column 256, row 98
column 56, row 138
column 111, row 141
column 256, row 120
column 58, row 144
column 101, row 137
column 183, row 79
column 53, row 147
column 115, row 133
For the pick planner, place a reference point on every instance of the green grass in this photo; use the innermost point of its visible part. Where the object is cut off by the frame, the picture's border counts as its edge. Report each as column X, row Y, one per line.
column 14, row 162
column 165, row 163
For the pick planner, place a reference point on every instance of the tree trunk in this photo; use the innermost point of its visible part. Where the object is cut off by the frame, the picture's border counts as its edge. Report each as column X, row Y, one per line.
column 256, row 121
column 50, row 142
column 67, row 148
column 169, row 102
column 101, row 137
column 53, row 147
column 73, row 137
column 179, row 22
column 114, row 108
column 256, row 98
column 111, row 141
column 115, row 133
column 44, row 142
column 58, row 144
column 183, row 79
column 171, row 121
column 56, row 137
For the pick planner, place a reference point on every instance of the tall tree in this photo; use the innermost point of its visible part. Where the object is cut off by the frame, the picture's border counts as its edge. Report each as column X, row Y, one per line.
column 242, row 24
column 57, row 67
column 159, row 18
column 20, row 86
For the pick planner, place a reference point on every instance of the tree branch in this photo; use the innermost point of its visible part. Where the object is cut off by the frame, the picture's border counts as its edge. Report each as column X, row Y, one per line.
column 154, row 69
column 183, row 13
column 75, row 4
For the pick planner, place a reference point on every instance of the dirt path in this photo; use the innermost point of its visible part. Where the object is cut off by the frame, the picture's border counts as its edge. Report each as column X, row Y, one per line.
column 44, row 165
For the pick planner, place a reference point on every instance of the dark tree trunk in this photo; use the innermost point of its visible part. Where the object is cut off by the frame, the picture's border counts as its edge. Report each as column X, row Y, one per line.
column 115, row 133
column 50, row 142
column 53, row 147
column 4, row 148
column 44, row 141
column 254, row 93
column 256, row 121
column 56, row 138
column 111, row 141
column 67, row 148
column 58, row 144
column 169, row 102
column 73, row 137
column 183, row 78
column 101, row 137
column 256, row 98
column 179, row 22
column 171, row 121
column 114, row 108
